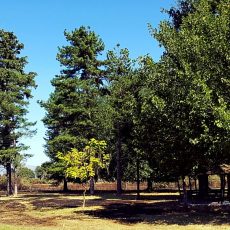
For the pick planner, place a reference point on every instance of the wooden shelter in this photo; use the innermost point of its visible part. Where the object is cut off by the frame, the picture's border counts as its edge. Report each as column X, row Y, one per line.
column 202, row 189
column 223, row 171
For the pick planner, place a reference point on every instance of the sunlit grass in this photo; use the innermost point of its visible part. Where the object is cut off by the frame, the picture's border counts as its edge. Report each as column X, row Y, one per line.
column 64, row 211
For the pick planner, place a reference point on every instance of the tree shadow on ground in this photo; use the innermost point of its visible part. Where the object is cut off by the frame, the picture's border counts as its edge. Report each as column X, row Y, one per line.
column 14, row 212
column 167, row 212
column 11, row 205
column 73, row 200
column 58, row 201
column 154, row 208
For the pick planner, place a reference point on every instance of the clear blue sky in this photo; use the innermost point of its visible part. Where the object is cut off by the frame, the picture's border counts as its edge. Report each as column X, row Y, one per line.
column 40, row 25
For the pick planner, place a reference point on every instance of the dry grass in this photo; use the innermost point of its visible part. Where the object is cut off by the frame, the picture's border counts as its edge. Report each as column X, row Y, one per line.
column 159, row 211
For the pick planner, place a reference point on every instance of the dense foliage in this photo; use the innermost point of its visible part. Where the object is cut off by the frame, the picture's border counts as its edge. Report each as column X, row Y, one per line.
column 160, row 120
column 15, row 90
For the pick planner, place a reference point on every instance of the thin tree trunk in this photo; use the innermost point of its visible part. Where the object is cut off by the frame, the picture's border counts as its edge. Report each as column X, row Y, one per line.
column 15, row 182
column 195, row 180
column 178, row 186
column 190, row 183
column 65, row 185
column 84, row 192
column 118, row 156
column 15, row 175
column 138, row 178
column 9, row 179
column 185, row 197
column 222, row 179
column 190, row 188
column 149, row 184
column 91, row 186
column 228, row 181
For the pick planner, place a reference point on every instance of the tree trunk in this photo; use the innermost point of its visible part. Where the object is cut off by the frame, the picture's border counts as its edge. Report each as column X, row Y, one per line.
column 65, row 185
column 185, row 195
column 15, row 182
column 190, row 184
column 84, row 192
column 203, row 185
column 91, row 186
column 222, row 180
column 178, row 186
column 228, row 181
column 9, row 179
column 138, row 178
column 195, row 180
column 149, row 184
column 118, row 156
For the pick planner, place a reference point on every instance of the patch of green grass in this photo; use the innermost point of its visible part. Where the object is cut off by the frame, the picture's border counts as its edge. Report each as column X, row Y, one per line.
column 161, row 211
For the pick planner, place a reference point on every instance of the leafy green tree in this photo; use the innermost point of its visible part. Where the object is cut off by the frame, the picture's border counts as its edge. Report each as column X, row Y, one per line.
column 126, row 82
column 193, row 85
column 84, row 164
column 26, row 172
column 119, row 71
column 15, row 90
column 72, row 107
column 41, row 172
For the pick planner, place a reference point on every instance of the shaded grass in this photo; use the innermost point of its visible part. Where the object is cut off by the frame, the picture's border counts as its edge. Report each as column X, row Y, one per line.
column 107, row 211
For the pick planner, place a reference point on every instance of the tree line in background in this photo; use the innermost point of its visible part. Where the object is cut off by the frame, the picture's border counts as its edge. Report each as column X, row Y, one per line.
column 160, row 120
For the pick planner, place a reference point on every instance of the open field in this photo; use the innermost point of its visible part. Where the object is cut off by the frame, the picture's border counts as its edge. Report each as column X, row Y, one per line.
column 159, row 211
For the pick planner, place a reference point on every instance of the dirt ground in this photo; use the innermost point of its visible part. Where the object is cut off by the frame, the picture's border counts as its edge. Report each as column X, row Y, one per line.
column 107, row 211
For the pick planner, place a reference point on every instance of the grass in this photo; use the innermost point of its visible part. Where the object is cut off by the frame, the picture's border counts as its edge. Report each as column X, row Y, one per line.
column 161, row 211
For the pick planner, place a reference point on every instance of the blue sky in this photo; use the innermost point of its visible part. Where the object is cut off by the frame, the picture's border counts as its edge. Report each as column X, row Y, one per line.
column 40, row 24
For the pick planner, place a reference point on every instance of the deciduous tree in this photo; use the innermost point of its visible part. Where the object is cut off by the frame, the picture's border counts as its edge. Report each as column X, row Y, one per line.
column 84, row 164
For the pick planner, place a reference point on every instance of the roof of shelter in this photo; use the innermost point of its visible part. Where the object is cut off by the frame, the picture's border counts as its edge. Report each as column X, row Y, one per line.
column 220, row 169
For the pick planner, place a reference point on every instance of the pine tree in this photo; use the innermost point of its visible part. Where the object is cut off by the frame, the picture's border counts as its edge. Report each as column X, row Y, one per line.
column 15, row 90
column 71, row 108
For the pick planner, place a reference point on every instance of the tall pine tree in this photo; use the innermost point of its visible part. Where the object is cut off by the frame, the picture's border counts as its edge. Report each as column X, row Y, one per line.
column 15, row 90
column 71, row 108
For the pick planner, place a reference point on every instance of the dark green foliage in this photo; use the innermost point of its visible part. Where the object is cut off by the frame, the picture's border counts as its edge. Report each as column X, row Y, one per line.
column 161, row 120
column 192, row 82
column 72, row 107
column 42, row 172
column 15, row 90
column 80, row 58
